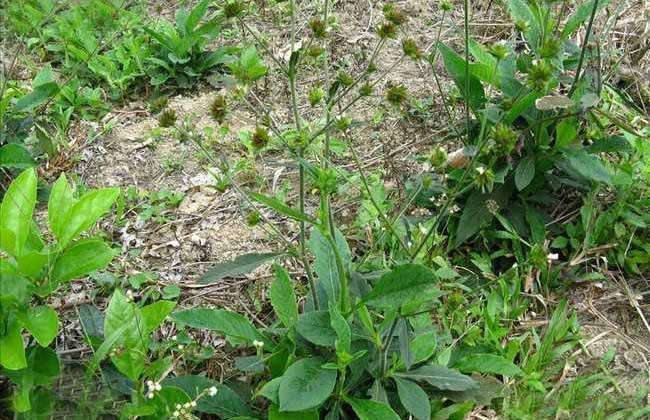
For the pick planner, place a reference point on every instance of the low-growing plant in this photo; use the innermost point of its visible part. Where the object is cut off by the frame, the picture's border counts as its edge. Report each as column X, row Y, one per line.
column 182, row 53
column 33, row 269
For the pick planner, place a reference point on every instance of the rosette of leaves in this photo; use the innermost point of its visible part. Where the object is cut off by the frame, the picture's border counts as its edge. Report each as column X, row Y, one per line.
column 182, row 55
column 33, row 267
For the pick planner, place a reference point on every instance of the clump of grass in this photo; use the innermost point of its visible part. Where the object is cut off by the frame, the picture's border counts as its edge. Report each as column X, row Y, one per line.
column 167, row 118
column 158, row 104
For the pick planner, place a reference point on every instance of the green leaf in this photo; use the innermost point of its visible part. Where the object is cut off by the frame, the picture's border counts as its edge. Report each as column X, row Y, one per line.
column 306, row 385
column 440, row 377
column 342, row 329
column 612, row 144
column 282, row 208
column 566, row 132
column 59, row 205
column 476, row 213
column 154, row 314
column 42, row 322
column 589, row 166
column 16, row 156
column 16, row 212
column 242, row 264
column 315, row 327
column 283, row 299
column 271, row 389
column 325, row 262
column 413, row 398
column 274, row 413
column 580, row 16
column 81, row 259
column 196, row 15
column 525, row 172
column 456, row 65
column 401, row 285
column 231, row 324
column 423, row 346
column 226, row 403
column 488, row 363
column 12, row 355
column 86, row 212
column 36, row 97
column 371, row 410
column 520, row 11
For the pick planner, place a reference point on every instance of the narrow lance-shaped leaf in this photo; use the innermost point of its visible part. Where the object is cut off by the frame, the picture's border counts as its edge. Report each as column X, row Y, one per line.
column 242, row 264
column 282, row 208
column 440, row 377
column 16, row 212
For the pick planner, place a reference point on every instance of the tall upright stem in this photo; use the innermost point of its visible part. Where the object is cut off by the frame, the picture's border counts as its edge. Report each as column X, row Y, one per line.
column 466, row 24
column 584, row 48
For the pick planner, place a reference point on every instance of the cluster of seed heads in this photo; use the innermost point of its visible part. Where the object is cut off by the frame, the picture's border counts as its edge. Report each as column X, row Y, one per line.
column 167, row 118
column 152, row 388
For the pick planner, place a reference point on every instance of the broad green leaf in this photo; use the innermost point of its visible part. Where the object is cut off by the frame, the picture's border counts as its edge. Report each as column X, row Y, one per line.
column 325, row 262
column 610, row 145
column 283, row 299
column 120, row 313
column 566, row 132
column 306, row 385
column 520, row 107
column 274, row 413
column 59, row 205
column 488, row 363
column 32, row 263
column 36, row 97
column 196, row 15
column 423, row 346
column 401, row 285
column 488, row 388
column 371, row 410
column 155, row 313
column 86, row 212
column 231, row 324
column 271, row 389
column 42, row 322
column 413, row 398
column 242, row 264
column 12, row 350
column 315, row 327
column 520, row 10
column 476, row 213
column 587, row 165
column 440, row 377
column 580, row 16
column 342, row 329
column 226, row 404
column 16, row 212
column 81, row 259
column 282, row 208
column 456, row 65
column 525, row 172
column 16, row 156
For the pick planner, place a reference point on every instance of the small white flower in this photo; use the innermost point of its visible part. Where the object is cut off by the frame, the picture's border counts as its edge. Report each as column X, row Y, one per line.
column 157, row 387
column 212, row 391
column 181, row 347
column 193, row 403
column 552, row 257
column 178, row 406
column 129, row 294
column 186, row 405
column 174, row 338
column 258, row 344
column 409, row 244
column 150, row 395
column 150, row 383
column 176, row 413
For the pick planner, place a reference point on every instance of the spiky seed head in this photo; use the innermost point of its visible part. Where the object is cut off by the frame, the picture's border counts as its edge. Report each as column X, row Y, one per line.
column 316, row 95
column 158, row 104
column 522, row 25
column 498, row 51
column 411, row 49
column 387, row 30
column 539, row 75
column 167, row 118
column 446, row 6
column 233, row 9
column 438, row 157
column 550, row 48
column 260, row 138
column 219, row 108
column 365, row 90
column 505, row 138
column 315, row 51
column 345, row 79
column 396, row 94
column 394, row 15
column 318, row 28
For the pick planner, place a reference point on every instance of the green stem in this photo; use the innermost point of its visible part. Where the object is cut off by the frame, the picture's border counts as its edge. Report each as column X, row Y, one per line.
column 385, row 347
column 466, row 23
column 584, row 49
